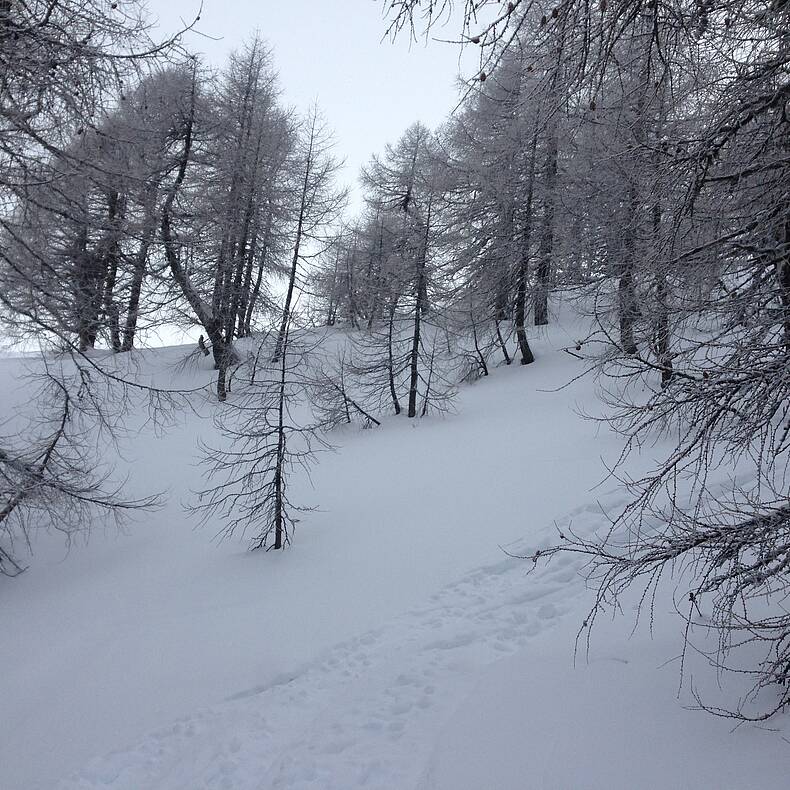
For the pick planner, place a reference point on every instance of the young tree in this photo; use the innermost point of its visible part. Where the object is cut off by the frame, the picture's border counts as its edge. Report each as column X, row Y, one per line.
column 317, row 204
column 267, row 441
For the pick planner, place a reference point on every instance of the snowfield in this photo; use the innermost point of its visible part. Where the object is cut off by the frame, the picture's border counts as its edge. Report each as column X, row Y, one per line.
column 396, row 645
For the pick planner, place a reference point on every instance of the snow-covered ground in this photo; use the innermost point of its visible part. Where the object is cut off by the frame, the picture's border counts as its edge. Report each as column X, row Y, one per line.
column 394, row 646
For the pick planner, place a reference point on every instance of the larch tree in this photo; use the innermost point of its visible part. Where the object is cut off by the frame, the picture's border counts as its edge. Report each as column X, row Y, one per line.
column 316, row 203
column 678, row 144
column 64, row 65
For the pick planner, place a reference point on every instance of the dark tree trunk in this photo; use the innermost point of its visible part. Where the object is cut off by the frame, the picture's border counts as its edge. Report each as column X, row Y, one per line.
column 331, row 313
column 502, row 343
column 223, row 352
column 546, row 247
column 390, row 357
column 295, row 259
column 289, row 295
column 414, row 359
column 627, row 306
column 256, row 289
column 112, row 254
column 350, row 285
column 420, row 299
column 374, row 307
column 481, row 359
column 279, row 478
column 527, row 357
column 662, row 318
column 139, row 269
column 85, row 276
column 90, row 272
column 232, row 315
column 783, row 276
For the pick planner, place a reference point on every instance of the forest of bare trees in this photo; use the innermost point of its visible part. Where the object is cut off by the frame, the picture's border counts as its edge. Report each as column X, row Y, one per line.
column 633, row 156
column 655, row 141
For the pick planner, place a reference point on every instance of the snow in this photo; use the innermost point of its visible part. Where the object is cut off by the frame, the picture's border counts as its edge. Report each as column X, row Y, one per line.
column 535, row 720
column 395, row 645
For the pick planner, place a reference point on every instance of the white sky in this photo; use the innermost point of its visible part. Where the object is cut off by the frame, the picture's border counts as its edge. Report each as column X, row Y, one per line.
column 332, row 51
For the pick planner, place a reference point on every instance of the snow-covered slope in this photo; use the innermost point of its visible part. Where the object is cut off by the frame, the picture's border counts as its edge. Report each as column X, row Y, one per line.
column 395, row 645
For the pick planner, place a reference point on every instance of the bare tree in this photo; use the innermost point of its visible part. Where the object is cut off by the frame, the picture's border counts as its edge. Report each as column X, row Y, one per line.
column 318, row 203
column 64, row 65
column 677, row 184
column 50, row 475
column 334, row 395
column 268, row 440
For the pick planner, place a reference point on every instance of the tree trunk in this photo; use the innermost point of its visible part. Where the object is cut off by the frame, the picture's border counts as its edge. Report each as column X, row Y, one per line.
column 112, row 254
column 297, row 242
column 240, row 268
column 546, row 246
column 85, row 294
column 256, row 289
column 374, row 307
column 783, row 276
column 663, row 354
column 420, row 292
column 223, row 353
column 527, row 357
column 139, row 268
column 279, row 478
column 390, row 357
column 502, row 343
column 626, row 302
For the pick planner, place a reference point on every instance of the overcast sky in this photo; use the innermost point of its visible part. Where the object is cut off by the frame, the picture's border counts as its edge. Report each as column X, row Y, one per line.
column 369, row 89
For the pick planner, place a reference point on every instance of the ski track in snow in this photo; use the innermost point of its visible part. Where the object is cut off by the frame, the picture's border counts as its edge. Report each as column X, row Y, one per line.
column 362, row 716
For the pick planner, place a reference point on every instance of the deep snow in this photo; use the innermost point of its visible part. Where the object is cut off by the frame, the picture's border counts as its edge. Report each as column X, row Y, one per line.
column 394, row 645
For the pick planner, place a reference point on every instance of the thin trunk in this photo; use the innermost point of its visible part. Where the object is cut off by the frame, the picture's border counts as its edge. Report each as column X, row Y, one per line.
column 110, row 308
column 279, row 516
column 628, row 305
column 374, row 307
column 241, row 293
column 546, row 245
column 352, row 302
column 256, row 289
column 226, row 284
column 138, row 272
column 246, row 287
column 502, row 343
column 232, row 314
column 390, row 357
column 481, row 359
column 626, row 300
column 662, row 330
column 279, row 480
column 420, row 291
column 783, row 276
column 297, row 243
column 331, row 313
column 84, row 286
column 426, row 399
column 527, row 356
column 662, row 292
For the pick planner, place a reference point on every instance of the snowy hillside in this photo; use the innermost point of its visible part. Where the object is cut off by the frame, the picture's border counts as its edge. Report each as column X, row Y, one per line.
column 396, row 645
